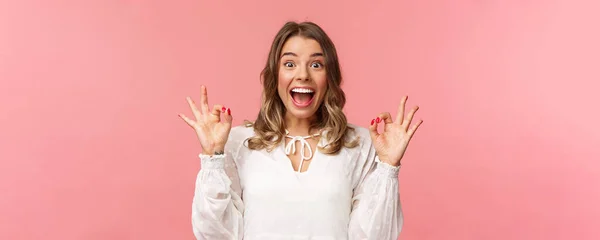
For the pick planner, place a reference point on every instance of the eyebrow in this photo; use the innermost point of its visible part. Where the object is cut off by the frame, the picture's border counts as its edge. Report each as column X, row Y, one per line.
column 295, row 55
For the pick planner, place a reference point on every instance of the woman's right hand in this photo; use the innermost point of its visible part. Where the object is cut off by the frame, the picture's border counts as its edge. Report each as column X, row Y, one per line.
column 211, row 131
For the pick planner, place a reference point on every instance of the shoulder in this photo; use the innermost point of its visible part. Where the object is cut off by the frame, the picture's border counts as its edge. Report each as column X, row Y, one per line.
column 241, row 132
column 238, row 136
column 362, row 156
column 362, row 133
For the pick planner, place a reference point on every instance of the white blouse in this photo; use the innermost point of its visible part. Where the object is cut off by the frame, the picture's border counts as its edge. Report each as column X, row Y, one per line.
column 254, row 194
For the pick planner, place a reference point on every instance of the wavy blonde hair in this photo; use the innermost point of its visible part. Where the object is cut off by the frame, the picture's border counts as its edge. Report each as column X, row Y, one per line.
column 269, row 125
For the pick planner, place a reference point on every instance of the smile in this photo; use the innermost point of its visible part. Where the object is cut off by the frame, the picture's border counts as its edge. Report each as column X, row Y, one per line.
column 302, row 96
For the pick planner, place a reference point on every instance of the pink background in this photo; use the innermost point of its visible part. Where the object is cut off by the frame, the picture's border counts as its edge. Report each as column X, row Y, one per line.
column 91, row 146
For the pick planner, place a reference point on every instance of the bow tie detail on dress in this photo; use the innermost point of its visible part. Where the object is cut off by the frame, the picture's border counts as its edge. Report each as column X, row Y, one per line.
column 290, row 148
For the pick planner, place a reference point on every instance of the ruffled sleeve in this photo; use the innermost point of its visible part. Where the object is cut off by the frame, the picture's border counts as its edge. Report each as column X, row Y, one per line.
column 376, row 209
column 217, row 207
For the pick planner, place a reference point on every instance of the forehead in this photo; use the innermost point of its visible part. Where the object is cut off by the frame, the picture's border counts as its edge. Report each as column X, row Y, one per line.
column 301, row 46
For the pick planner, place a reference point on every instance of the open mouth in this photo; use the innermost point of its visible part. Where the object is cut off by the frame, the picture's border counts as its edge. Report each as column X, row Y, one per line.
column 302, row 96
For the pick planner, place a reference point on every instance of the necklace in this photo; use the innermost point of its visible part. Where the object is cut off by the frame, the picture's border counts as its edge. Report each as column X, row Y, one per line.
column 290, row 148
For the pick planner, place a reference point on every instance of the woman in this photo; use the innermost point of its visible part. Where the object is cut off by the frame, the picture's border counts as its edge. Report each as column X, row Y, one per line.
column 300, row 171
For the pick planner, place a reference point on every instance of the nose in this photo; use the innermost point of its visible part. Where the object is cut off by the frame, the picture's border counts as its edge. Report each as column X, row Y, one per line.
column 302, row 74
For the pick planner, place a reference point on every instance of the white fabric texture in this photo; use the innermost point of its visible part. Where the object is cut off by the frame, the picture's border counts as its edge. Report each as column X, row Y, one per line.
column 249, row 194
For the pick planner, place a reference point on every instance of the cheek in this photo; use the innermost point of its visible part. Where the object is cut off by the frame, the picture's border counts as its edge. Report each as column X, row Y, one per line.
column 285, row 76
column 321, row 82
column 283, row 82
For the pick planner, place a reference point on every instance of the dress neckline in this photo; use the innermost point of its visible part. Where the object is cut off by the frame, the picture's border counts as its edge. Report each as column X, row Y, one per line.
column 290, row 148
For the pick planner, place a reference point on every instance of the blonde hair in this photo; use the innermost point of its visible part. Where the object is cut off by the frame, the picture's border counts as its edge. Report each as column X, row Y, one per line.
column 269, row 125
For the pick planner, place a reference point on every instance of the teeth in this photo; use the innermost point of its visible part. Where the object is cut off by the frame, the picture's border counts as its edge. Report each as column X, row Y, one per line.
column 302, row 90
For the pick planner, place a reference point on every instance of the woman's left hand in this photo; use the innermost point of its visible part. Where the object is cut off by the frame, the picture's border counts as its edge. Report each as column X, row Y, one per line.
column 393, row 141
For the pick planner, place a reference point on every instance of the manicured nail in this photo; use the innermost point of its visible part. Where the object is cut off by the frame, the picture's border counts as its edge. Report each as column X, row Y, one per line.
column 228, row 111
column 378, row 120
column 223, row 109
column 372, row 121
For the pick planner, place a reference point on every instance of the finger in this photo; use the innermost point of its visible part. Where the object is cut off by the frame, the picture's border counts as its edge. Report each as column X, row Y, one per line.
column 373, row 129
column 400, row 114
column 414, row 128
column 216, row 111
column 195, row 110
column 385, row 117
column 227, row 116
column 409, row 118
column 187, row 120
column 204, row 100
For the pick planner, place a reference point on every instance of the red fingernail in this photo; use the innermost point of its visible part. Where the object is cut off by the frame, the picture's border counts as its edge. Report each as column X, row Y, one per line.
column 372, row 121
column 229, row 111
column 378, row 120
column 223, row 109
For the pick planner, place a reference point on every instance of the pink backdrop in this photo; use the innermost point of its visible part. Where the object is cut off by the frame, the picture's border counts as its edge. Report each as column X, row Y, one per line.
column 91, row 146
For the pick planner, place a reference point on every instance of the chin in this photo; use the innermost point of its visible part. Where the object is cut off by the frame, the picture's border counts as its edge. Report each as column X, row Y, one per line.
column 302, row 114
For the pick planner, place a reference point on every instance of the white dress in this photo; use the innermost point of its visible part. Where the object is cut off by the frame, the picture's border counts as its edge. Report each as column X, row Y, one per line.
column 249, row 194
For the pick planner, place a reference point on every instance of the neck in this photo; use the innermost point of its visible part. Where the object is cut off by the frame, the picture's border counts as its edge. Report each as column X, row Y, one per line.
column 299, row 126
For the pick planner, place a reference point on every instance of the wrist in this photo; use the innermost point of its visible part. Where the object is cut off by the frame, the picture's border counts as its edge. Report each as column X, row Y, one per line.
column 385, row 160
column 218, row 150
column 215, row 151
column 393, row 164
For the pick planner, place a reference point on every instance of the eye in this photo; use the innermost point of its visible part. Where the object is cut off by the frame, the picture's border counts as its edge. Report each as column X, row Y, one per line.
column 316, row 65
column 288, row 64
